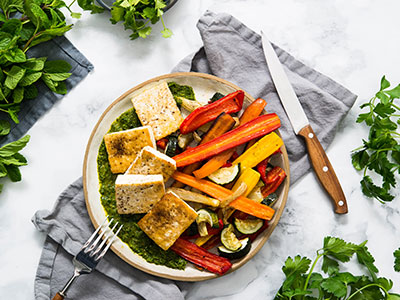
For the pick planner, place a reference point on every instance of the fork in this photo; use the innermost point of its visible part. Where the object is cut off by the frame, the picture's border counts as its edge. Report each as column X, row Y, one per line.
column 90, row 254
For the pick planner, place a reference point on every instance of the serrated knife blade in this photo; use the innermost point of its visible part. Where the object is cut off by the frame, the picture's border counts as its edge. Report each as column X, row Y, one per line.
column 298, row 119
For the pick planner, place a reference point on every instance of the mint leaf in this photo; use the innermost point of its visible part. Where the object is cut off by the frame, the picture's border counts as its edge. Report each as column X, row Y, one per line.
column 56, row 66
column 30, row 78
column 13, row 173
column 18, row 94
column 4, row 127
column 14, row 147
column 14, row 76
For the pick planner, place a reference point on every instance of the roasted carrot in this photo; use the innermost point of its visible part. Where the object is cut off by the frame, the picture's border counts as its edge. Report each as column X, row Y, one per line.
column 214, row 190
column 221, row 125
column 216, row 162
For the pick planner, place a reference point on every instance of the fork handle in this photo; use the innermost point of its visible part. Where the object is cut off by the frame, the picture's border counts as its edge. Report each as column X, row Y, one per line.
column 58, row 296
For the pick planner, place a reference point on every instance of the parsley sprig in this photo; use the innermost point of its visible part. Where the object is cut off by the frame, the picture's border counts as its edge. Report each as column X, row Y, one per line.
column 380, row 153
column 303, row 283
column 136, row 15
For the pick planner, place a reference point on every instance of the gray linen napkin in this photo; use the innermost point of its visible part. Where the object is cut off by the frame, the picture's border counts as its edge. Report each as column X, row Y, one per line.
column 231, row 51
column 234, row 52
column 32, row 110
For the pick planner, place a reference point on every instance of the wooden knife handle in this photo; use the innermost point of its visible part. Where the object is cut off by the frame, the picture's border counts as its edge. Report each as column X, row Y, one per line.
column 324, row 170
column 58, row 296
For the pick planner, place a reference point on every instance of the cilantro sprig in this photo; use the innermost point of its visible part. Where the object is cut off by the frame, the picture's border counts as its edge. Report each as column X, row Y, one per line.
column 380, row 153
column 136, row 15
column 303, row 283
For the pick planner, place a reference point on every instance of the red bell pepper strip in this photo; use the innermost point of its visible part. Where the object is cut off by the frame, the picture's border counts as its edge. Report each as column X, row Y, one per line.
column 260, row 126
column 277, row 178
column 200, row 257
column 262, row 169
column 162, row 143
column 231, row 103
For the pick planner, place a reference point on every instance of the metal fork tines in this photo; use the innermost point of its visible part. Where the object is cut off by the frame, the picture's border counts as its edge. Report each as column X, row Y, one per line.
column 91, row 253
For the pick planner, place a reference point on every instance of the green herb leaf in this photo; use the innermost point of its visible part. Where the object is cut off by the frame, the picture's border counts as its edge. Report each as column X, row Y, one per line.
column 384, row 83
column 14, row 147
column 334, row 286
column 56, row 66
column 397, row 260
column 13, row 173
column 30, row 78
column 4, row 127
column 14, row 76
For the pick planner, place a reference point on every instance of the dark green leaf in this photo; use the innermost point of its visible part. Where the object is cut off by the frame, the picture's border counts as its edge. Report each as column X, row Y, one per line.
column 366, row 117
column 149, row 13
column 31, row 92
column 34, row 64
column 14, row 76
column 383, row 110
column 4, row 127
column 12, row 26
column 335, row 287
column 30, row 78
column 61, row 88
column 58, row 76
column 18, row 94
column 13, row 173
column 359, row 159
column 397, row 260
column 3, row 171
column 293, row 270
column 13, row 111
column 15, row 55
column 56, row 66
column 329, row 265
column 339, row 249
column 365, row 258
column 11, row 148
column 12, row 161
column 315, row 281
column 371, row 190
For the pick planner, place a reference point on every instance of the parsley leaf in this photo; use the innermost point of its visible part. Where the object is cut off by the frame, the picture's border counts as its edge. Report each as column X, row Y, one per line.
column 303, row 283
column 380, row 154
column 397, row 260
column 136, row 15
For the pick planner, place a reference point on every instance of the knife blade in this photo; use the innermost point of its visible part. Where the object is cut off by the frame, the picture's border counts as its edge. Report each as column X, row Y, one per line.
column 301, row 126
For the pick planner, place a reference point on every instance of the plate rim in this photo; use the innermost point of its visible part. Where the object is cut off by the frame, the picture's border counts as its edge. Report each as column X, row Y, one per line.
column 278, row 212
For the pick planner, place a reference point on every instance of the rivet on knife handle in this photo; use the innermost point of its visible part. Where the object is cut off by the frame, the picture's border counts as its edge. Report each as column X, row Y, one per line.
column 324, row 170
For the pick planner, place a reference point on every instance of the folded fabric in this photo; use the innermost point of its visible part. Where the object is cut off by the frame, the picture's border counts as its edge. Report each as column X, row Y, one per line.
column 233, row 52
column 67, row 228
column 60, row 48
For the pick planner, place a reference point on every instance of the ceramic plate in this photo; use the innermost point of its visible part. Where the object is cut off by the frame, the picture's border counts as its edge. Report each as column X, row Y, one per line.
column 204, row 86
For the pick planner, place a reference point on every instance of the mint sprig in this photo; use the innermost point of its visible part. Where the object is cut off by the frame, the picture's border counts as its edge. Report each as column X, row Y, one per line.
column 379, row 156
column 11, row 160
column 303, row 283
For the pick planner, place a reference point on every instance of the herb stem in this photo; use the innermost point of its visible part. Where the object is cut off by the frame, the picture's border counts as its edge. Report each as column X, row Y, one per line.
column 311, row 270
column 367, row 286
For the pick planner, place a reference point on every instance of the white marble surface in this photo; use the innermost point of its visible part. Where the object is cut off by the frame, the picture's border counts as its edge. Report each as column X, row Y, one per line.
column 353, row 42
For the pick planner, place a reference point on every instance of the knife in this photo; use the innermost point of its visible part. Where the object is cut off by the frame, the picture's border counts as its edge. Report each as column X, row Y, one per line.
column 301, row 126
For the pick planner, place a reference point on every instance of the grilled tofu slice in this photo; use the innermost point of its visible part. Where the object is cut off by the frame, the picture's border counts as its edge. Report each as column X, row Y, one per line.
column 136, row 194
column 124, row 146
column 157, row 108
column 167, row 220
column 151, row 161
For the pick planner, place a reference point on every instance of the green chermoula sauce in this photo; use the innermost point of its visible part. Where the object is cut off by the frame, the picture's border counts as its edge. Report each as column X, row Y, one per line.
column 131, row 234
